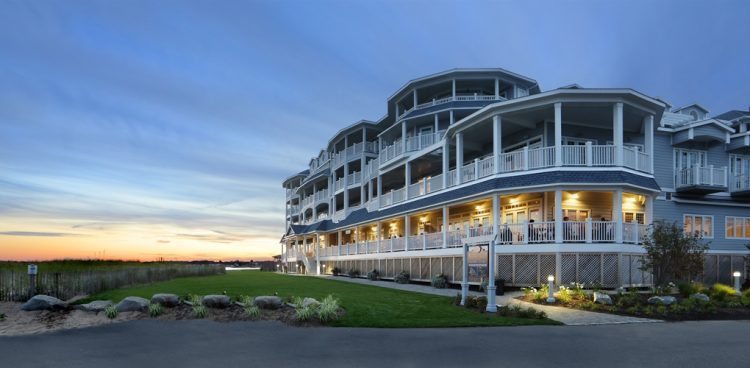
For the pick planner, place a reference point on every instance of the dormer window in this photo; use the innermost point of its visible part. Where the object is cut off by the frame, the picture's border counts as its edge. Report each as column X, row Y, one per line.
column 694, row 115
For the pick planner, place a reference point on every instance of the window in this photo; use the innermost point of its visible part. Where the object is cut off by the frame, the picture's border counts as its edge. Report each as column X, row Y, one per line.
column 739, row 164
column 633, row 146
column 699, row 223
column 737, row 227
column 684, row 159
column 571, row 141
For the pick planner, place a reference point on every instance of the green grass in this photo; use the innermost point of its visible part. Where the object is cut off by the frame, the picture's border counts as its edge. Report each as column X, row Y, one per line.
column 366, row 306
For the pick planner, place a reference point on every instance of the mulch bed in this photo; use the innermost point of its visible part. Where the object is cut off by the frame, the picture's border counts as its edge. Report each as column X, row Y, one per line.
column 720, row 313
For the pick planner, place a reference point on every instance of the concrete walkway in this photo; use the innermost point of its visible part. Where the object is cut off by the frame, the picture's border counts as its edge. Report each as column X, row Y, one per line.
column 568, row 316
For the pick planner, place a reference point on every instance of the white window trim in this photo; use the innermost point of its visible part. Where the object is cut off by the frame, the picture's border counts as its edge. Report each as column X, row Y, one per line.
column 702, row 222
column 566, row 139
column 522, row 144
column 726, row 221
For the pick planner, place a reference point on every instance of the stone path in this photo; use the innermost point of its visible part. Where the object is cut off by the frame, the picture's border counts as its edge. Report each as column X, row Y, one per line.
column 568, row 316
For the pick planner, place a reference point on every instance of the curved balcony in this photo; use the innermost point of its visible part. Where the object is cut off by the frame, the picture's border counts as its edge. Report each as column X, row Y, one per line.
column 446, row 100
column 701, row 180
column 352, row 152
column 739, row 185
column 413, row 144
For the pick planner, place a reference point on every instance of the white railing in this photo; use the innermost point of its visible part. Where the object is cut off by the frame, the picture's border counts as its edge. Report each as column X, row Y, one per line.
column 373, row 205
column 435, row 102
column 454, row 238
column 574, row 155
column 390, row 152
column 415, row 242
column 385, row 245
column 372, row 246
column 433, row 240
column 478, row 231
column 485, row 167
column 527, row 159
column 416, row 190
column 307, row 201
column 354, row 178
column 467, row 173
column 434, row 183
column 392, row 197
column 602, row 155
column 339, row 215
column 574, row 231
column 294, row 209
column 452, row 178
column 414, row 143
column 397, row 244
column 321, row 195
column 338, row 185
column 602, row 231
column 709, row 176
column 643, row 163
column 634, row 233
column 629, row 158
column 740, row 183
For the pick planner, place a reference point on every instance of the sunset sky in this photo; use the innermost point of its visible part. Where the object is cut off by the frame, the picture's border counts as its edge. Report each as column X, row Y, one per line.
column 145, row 129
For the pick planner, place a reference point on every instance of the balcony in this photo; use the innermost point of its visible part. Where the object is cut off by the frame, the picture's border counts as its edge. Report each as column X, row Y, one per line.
column 589, row 155
column 413, row 144
column 584, row 232
column 701, row 180
column 445, row 100
column 352, row 151
column 740, row 185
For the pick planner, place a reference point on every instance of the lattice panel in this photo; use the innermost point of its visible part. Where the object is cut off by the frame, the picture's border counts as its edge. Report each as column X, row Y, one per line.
column 425, row 269
column 589, row 268
column 527, row 270
column 546, row 266
column 436, row 267
column 388, row 268
column 398, row 266
column 738, row 264
column 709, row 269
column 609, row 270
column 458, row 267
column 725, row 270
column 414, row 269
column 568, row 269
column 447, row 267
column 505, row 268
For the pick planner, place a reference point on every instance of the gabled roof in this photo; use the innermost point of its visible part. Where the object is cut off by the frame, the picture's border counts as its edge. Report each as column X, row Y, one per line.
column 695, row 124
column 697, row 106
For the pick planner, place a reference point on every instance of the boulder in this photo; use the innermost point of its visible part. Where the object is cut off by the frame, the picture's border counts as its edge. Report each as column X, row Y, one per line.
column 700, row 296
column 132, row 304
column 44, row 302
column 268, row 302
column 166, row 300
column 215, row 301
column 308, row 302
column 96, row 306
column 663, row 300
column 602, row 298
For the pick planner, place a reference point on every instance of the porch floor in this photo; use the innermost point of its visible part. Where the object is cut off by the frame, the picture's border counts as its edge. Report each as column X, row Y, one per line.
column 568, row 316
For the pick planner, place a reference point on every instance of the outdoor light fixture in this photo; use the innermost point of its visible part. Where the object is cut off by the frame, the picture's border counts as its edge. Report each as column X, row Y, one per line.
column 550, row 289
column 737, row 275
column 574, row 195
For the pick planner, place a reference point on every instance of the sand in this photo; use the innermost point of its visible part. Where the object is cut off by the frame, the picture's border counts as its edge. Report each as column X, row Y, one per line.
column 18, row 322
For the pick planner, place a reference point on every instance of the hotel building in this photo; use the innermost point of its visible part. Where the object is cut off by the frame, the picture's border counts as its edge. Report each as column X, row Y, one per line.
column 563, row 182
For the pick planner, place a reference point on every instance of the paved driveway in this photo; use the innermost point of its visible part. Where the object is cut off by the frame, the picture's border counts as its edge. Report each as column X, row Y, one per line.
column 199, row 343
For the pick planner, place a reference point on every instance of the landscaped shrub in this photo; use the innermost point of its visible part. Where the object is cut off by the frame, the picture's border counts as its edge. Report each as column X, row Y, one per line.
column 440, row 281
column 687, row 289
column 246, row 300
column 252, row 311
column 154, row 309
column 353, row 272
column 402, row 277
column 200, row 311
column 721, row 292
column 629, row 299
column 373, row 275
column 297, row 301
column 110, row 312
column 2, row 317
column 306, row 313
column 328, row 309
column 336, row 271
column 481, row 303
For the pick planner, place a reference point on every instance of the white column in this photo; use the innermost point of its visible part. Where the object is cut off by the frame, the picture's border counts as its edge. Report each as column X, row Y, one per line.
column 617, row 132
column 407, row 179
column 377, row 235
column 465, row 275
column 451, row 120
column 446, row 162
column 414, row 95
column 445, row 226
column 403, row 136
column 558, row 134
column 317, row 256
column 649, row 210
column 314, row 207
column 617, row 214
column 497, row 141
column 437, row 125
column 648, row 139
column 459, row 156
column 491, row 302
column 369, row 190
column 407, row 230
column 558, row 216
column 453, row 88
column 346, row 188
column 497, row 88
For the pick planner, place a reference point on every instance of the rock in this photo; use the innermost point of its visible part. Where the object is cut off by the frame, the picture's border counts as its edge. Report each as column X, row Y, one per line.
column 132, row 304
column 166, row 300
column 700, row 296
column 215, row 301
column 602, row 298
column 95, row 306
column 268, row 302
column 44, row 302
column 663, row 300
column 308, row 302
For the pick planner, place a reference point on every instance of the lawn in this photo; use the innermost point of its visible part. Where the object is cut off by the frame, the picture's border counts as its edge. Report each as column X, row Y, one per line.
column 366, row 306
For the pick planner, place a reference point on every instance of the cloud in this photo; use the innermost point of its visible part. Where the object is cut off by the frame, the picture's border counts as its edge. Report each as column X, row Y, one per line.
column 163, row 241
column 37, row 233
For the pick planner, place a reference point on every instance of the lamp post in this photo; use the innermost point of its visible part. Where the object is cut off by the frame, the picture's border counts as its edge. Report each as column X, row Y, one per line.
column 737, row 275
column 550, row 289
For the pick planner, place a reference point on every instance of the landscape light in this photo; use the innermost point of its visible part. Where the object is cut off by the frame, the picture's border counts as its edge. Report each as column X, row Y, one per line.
column 737, row 275
column 550, row 289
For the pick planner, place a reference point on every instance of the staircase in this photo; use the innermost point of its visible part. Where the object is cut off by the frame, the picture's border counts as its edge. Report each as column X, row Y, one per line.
column 308, row 259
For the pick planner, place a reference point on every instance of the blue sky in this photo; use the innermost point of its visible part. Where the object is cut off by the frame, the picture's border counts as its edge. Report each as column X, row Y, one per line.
column 164, row 128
